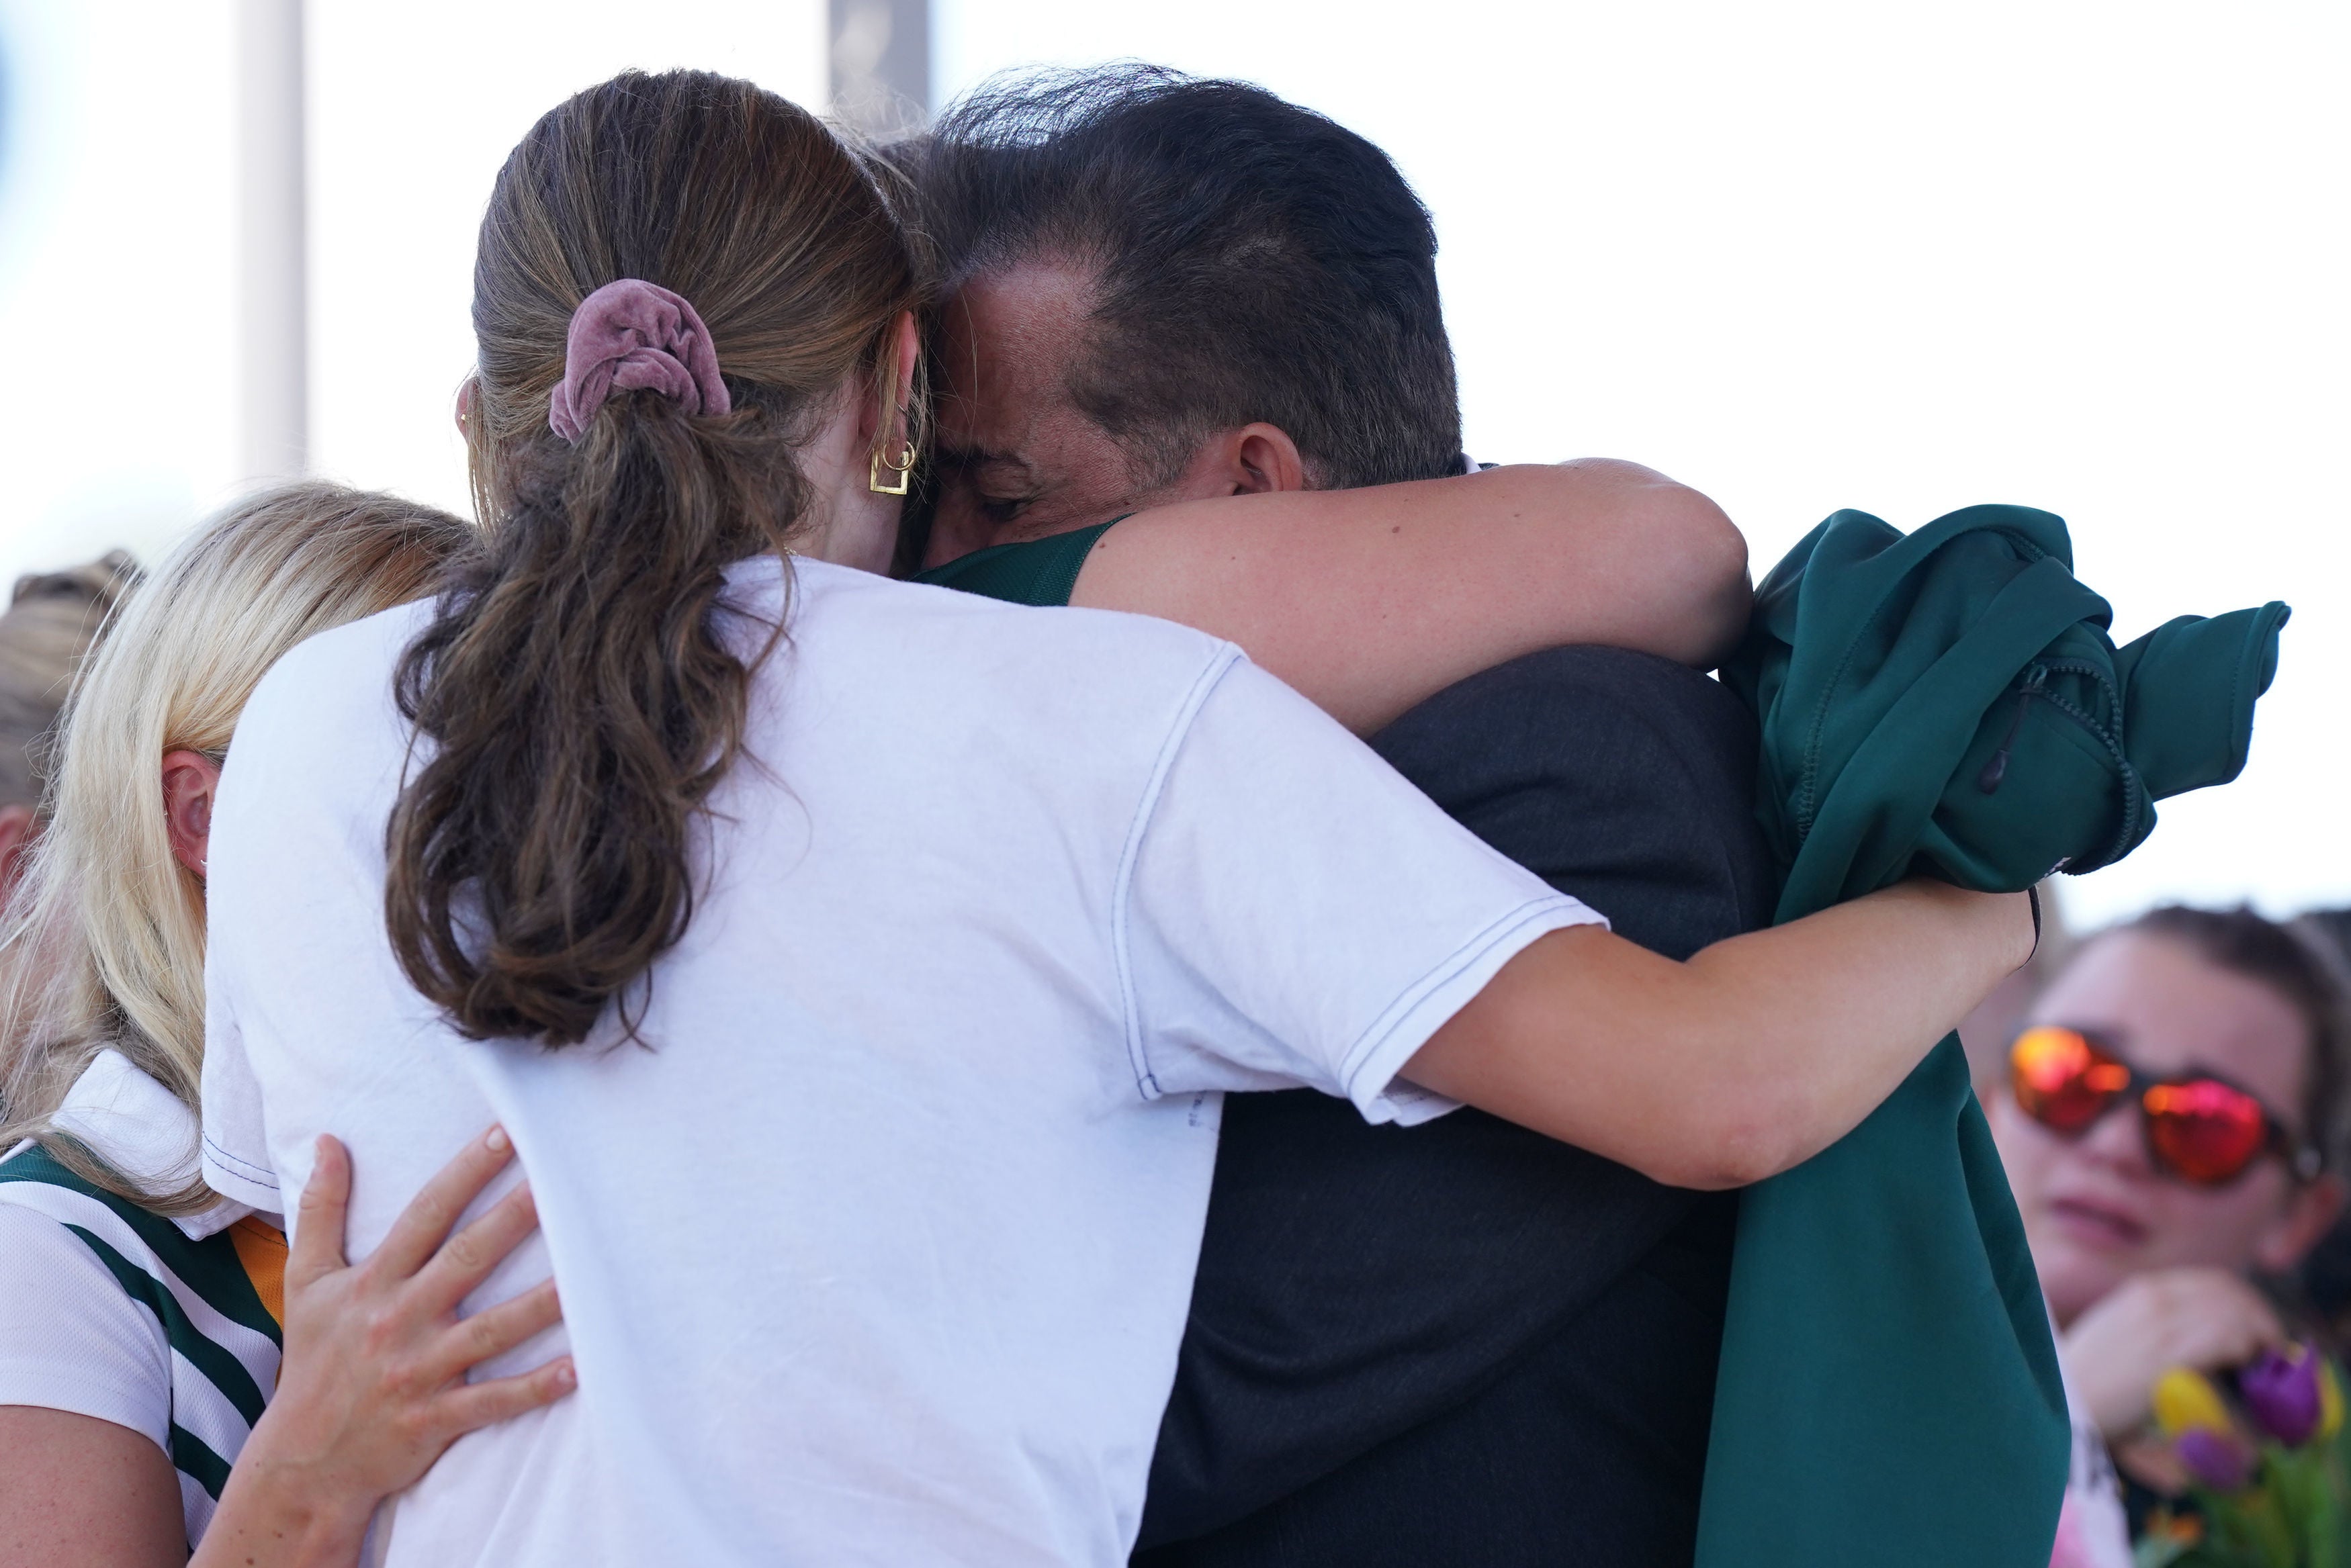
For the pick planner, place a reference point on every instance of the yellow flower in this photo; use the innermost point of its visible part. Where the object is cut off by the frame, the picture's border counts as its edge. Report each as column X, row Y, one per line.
column 2330, row 1399
column 2185, row 1401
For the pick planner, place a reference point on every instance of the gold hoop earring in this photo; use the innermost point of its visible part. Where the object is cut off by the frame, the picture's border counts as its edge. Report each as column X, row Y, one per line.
column 902, row 468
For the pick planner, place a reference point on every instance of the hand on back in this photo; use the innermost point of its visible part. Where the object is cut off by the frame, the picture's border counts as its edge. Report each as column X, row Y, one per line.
column 373, row 1389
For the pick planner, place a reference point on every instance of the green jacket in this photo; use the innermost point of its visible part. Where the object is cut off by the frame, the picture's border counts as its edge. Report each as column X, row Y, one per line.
column 1949, row 703
column 1946, row 703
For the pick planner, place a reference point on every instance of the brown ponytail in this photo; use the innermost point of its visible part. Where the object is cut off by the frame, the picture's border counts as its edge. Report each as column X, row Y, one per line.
column 581, row 702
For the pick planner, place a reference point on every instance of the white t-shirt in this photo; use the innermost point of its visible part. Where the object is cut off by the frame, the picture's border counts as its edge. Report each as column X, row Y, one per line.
column 880, row 1252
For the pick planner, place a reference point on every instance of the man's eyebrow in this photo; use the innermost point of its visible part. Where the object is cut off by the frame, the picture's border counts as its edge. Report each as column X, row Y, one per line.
column 981, row 457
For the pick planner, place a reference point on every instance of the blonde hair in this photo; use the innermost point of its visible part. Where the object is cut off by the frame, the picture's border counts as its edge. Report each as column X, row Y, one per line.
column 104, row 946
column 52, row 619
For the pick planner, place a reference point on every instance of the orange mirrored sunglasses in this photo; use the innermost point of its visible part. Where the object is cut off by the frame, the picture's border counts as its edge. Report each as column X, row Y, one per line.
column 2200, row 1128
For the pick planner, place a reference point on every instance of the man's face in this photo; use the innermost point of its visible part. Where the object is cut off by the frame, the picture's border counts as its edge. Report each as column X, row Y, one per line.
column 1016, row 458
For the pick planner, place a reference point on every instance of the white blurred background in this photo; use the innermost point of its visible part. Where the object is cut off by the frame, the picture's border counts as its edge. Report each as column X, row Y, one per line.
column 2090, row 257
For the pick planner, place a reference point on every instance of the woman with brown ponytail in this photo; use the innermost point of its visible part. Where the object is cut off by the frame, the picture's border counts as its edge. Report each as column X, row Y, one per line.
column 863, row 1025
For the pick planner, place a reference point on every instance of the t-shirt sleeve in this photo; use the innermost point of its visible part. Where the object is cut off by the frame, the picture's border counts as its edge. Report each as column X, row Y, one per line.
column 71, row 1338
column 1295, row 913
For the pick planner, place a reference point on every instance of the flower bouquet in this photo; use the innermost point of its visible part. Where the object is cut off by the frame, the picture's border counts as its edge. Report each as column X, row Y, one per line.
column 2270, row 1477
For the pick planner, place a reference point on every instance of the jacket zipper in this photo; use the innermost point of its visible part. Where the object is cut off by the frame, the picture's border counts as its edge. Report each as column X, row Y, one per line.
column 2035, row 683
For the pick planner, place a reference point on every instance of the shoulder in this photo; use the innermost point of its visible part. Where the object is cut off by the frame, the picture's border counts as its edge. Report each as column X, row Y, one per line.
column 334, row 683
column 67, row 1251
column 136, row 1246
column 196, row 1287
column 109, row 1312
column 322, row 729
column 77, row 1331
column 77, row 1264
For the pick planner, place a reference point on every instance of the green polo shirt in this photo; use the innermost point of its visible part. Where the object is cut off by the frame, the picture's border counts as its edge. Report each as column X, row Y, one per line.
column 1042, row 572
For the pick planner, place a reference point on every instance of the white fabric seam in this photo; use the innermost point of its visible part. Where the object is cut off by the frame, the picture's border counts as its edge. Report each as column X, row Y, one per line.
column 1366, row 1057
column 1146, row 1082
column 43, row 1385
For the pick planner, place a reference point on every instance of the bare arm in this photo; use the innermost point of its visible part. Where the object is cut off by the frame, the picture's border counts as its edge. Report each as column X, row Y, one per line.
column 1368, row 601
column 80, row 1492
column 1753, row 1056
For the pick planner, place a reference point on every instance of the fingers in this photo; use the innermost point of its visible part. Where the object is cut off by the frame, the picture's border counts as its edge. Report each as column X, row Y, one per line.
column 2203, row 1318
column 493, row 1330
column 317, row 1246
column 431, row 1213
column 478, row 1405
column 2219, row 1306
column 2250, row 1328
column 465, row 1260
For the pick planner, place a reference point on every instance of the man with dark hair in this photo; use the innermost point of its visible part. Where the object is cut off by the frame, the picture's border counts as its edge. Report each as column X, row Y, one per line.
column 1173, row 262
column 1159, row 289
column 1244, row 260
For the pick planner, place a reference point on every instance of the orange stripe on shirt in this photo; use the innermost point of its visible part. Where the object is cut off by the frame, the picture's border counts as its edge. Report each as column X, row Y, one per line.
column 261, row 1248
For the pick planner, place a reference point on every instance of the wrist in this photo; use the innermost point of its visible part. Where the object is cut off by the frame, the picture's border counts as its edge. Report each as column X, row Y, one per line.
column 281, row 1513
column 2020, row 913
column 2014, row 916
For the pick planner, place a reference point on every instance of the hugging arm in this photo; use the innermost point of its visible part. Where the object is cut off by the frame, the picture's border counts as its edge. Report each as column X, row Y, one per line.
column 1369, row 601
column 1748, row 1059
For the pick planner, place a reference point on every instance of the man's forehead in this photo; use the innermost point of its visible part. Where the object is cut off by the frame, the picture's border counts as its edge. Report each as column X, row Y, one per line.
column 1009, row 337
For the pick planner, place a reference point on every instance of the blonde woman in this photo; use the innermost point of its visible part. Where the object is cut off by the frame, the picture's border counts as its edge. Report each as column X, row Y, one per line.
column 145, row 1322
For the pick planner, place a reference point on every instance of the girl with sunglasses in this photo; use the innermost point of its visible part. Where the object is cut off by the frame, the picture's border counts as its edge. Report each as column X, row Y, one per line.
column 2172, row 1129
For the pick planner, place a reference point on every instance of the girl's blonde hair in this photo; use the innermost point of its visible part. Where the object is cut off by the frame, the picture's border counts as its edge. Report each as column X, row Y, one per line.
column 104, row 943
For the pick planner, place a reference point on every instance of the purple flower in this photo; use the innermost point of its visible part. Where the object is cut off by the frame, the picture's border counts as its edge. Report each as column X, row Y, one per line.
column 2281, row 1392
column 2215, row 1460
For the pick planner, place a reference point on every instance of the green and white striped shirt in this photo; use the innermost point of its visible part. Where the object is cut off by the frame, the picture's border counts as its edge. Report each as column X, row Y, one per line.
column 168, row 1328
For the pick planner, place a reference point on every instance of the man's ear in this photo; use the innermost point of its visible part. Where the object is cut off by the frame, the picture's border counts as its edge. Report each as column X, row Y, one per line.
column 1267, row 460
column 190, row 779
column 1256, row 459
column 18, row 826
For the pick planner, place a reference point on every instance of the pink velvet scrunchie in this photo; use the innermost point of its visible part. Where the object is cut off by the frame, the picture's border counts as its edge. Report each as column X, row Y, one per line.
column 628, row 335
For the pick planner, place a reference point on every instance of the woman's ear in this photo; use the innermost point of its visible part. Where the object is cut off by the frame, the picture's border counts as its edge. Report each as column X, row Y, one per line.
column 2310, row 1211
column 190, row 779
column 871, row 425
column 465, row 391
column 909, row 352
